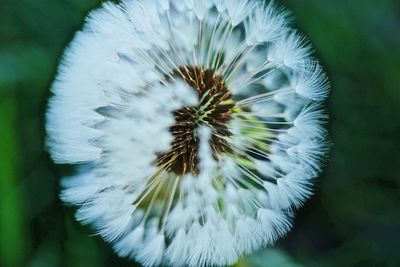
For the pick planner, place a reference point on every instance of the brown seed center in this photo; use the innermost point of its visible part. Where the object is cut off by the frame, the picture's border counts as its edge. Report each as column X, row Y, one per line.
column 214, row 110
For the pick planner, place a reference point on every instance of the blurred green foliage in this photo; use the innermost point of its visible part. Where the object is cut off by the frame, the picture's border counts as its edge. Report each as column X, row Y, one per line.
column 353, row 219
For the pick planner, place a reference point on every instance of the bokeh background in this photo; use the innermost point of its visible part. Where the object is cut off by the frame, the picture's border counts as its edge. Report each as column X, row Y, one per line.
column 354, row 217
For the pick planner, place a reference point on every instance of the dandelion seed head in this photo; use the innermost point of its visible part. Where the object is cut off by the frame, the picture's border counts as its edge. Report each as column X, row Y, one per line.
column 196, row 127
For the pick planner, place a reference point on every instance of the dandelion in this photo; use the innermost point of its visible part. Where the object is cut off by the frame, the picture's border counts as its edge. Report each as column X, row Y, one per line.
column 196, row 127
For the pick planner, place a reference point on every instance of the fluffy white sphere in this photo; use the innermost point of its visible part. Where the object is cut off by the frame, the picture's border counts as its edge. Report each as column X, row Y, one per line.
column 196, row 125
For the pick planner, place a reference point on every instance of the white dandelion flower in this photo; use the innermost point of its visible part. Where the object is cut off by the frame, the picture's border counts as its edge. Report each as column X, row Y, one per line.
column 197, row 127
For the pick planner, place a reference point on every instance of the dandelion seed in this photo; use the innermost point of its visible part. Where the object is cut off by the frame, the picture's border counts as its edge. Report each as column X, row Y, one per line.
column 196, row 125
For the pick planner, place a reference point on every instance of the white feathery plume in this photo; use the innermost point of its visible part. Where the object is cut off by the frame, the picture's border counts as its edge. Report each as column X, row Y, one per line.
column 247, row 236
column 127, row 246
column 177, row 251
column 197, row 127
column 238, row 11
column 202, row 251
column 291, row 50
column 224, row 242
column 274, row 224
column 152, row 251
column 220, row 5
column 289, row 191
column 265, row 24
column 200, row 8
column 310, row 123
column 311, row 82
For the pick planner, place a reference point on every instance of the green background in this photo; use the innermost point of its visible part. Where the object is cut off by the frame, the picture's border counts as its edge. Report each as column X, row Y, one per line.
column 354, row 217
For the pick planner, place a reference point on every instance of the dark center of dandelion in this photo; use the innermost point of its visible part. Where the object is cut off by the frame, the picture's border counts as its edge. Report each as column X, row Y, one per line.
column 214, row 110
